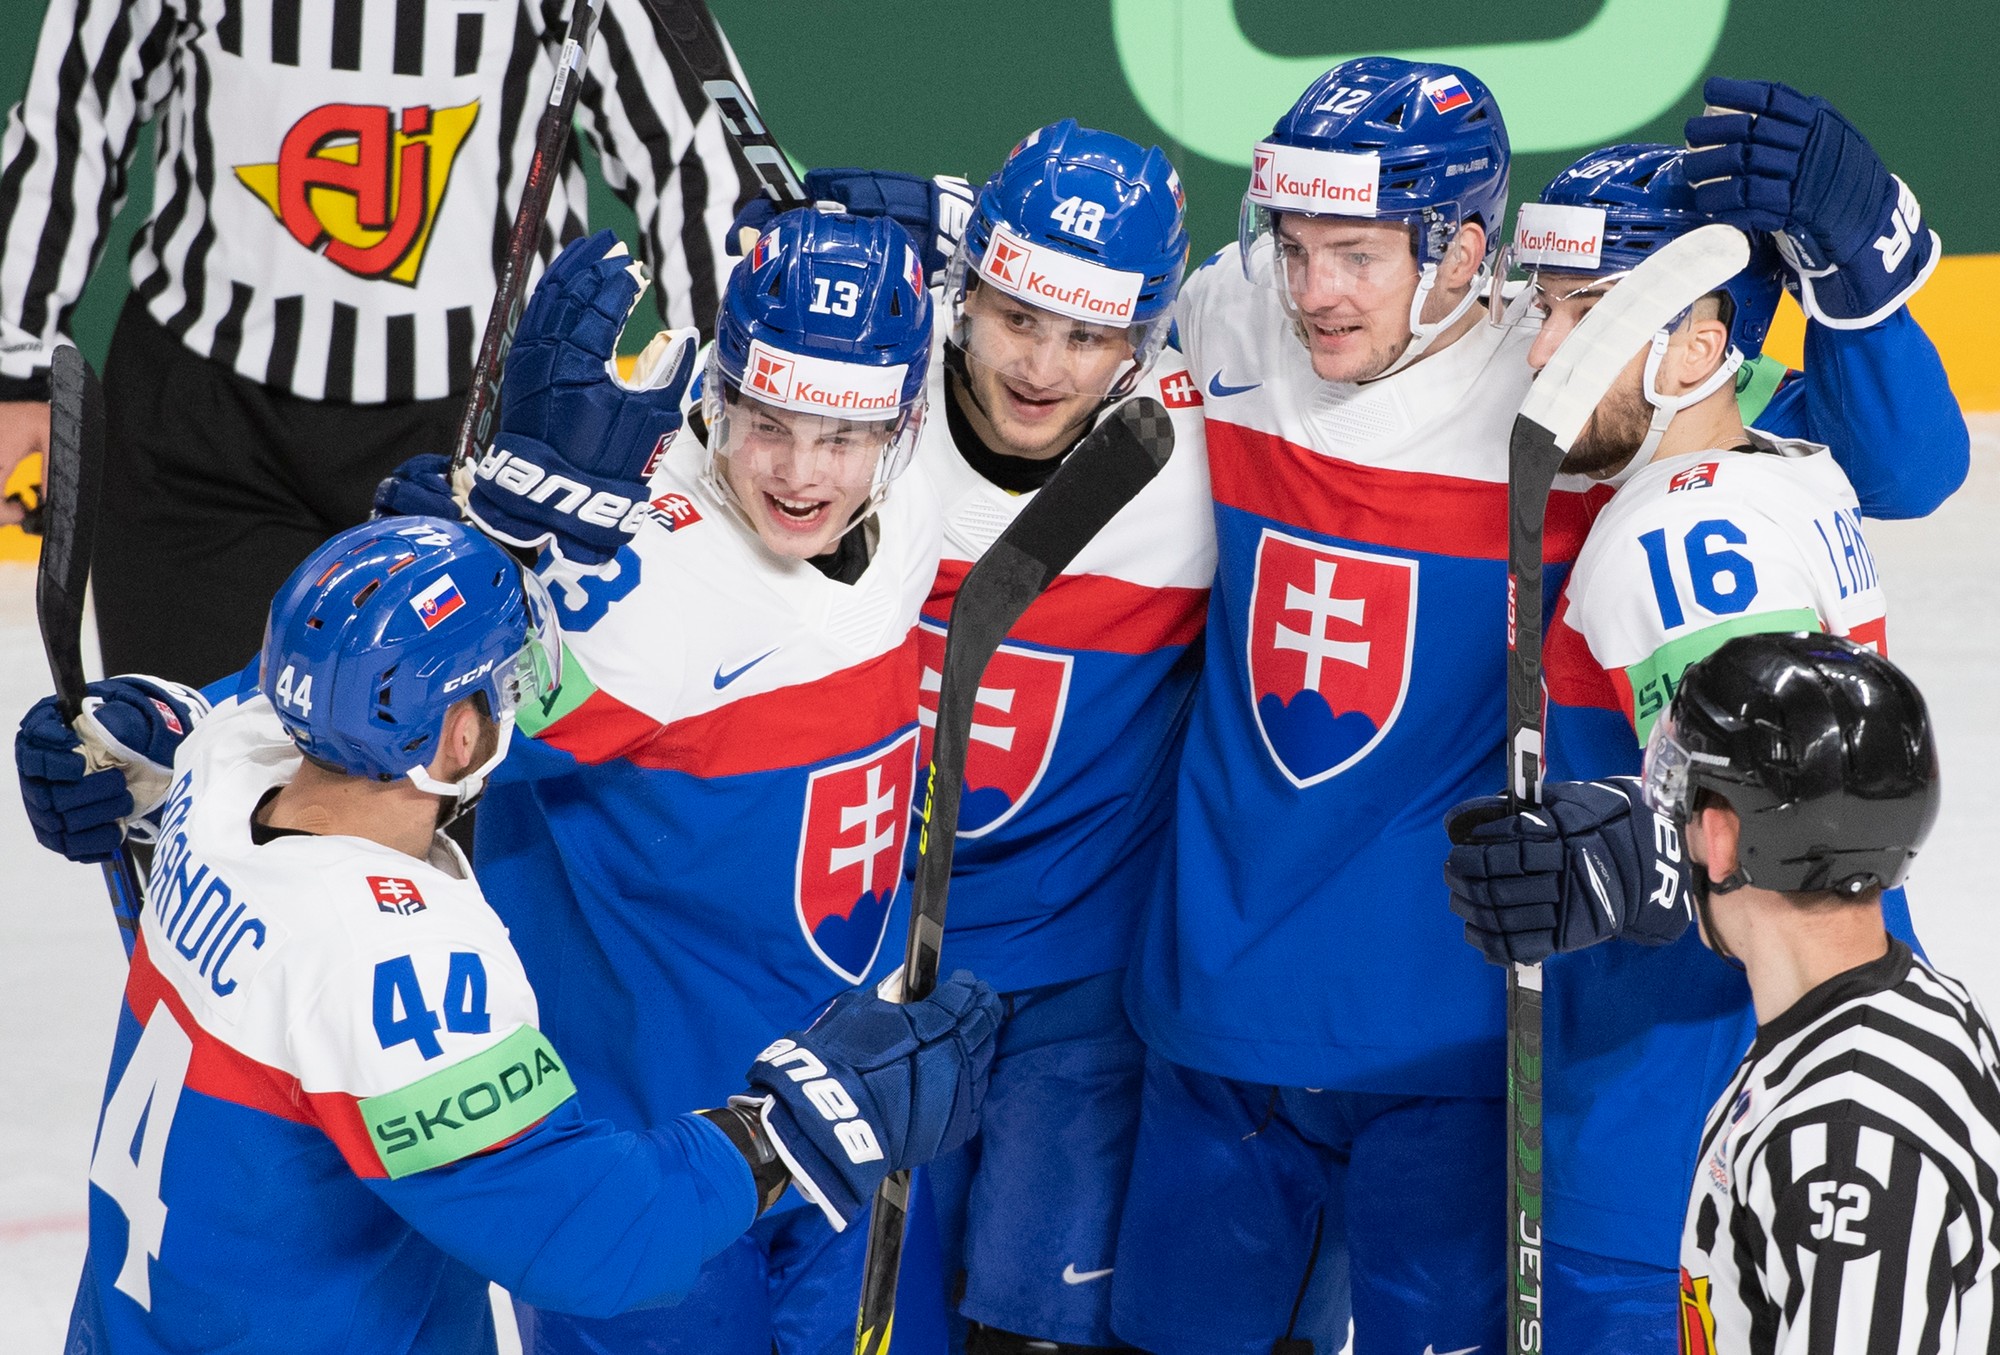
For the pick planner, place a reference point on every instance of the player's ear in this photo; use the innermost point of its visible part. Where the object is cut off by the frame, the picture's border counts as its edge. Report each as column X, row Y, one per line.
column 1705, row 344
column 1719, row 829
column 459, row 738
column 1462, row 260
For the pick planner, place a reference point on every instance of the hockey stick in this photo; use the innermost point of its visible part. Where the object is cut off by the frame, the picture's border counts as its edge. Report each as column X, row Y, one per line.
column 475, row 425
column 1101, row 476
column 691, row 29
column 1565, row 395
column 72, row 473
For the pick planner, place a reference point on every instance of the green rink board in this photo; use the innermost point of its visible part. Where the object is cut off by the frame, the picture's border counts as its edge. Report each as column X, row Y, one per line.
column 888, row 83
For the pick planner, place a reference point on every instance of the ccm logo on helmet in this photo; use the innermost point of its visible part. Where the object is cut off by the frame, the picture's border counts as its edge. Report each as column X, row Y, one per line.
column 481, row 671
column 522, row 476
column 829, row 1098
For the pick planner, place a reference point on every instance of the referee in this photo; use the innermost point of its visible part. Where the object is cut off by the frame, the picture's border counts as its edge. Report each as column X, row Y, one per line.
column 334, row 186
column 1844, row 1195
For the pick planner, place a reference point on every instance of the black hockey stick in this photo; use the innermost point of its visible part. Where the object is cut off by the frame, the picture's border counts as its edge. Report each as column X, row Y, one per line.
column 552, row 135
column 1119, row 458
column 691, row 29
column 1554, row 414
column 71, row 476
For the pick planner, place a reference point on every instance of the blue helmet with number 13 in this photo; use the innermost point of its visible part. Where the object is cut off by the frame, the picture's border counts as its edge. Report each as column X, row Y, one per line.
column 1086, row 226
column 386, row 627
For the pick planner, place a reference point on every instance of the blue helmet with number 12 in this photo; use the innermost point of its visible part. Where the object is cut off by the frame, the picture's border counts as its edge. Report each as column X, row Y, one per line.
column 386, row 627
column 1384, row 139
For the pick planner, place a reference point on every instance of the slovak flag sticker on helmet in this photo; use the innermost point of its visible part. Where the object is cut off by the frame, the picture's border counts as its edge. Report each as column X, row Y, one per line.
column 437, row 602
column 1446, row 93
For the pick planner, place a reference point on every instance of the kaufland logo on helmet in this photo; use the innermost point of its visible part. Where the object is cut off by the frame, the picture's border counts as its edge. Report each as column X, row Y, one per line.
column 1059, row 282
column 1554, row 235
column 1294, row 179
column 814, row 385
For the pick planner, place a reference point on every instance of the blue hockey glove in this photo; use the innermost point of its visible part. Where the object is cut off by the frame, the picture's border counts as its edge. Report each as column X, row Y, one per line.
column 934, row 211
column 875, row 1086
column 1591, row 862
column 1768, row 158
column 420, row 487
column 82, row 793
column 569, row 466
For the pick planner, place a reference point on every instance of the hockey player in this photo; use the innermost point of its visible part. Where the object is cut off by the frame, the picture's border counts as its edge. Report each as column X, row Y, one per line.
column 1844, row 1197
column 1059, row 302
column 331, row 1117
column 1323, row 1094
column 1714, row 531
column 709, row 821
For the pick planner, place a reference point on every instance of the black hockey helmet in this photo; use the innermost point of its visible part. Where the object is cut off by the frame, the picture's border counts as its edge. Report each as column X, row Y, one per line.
column 1822, row 747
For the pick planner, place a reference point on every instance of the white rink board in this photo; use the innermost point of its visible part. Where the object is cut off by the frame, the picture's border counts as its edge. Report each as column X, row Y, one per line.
column 60, row 966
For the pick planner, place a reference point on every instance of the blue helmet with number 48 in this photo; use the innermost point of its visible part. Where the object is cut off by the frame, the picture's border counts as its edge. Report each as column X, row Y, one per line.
column 1086, row 226
column 386, row 627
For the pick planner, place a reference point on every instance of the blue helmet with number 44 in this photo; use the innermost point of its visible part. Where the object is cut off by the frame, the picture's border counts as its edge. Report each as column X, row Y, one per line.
column 1081, row 228
column 386, row 627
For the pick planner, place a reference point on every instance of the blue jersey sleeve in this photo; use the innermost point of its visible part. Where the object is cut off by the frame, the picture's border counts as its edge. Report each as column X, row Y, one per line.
column 1879, row 399
column 577, row 1217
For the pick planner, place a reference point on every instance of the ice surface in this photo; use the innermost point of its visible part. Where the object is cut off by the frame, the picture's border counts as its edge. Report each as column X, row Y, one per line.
column 61, row 966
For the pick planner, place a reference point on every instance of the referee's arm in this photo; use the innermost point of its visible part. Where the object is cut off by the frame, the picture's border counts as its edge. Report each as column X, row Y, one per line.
column 664, row 152
column 1870, row 1247
column 100, row 73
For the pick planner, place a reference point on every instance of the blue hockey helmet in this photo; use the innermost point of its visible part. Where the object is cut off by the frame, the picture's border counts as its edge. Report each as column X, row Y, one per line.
column 388, row 625
column 826, row 317
column 1386, row 139
column 1613, row 208
column 1085, row 225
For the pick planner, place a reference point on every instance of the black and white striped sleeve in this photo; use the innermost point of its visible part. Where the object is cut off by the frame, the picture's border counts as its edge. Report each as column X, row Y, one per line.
column 100, row 72
column 664, row 151
column 1865, row 1242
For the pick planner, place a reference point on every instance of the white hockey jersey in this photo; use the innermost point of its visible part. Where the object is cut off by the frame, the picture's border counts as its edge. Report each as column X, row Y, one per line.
column 1697, row 548
column 1069, row 777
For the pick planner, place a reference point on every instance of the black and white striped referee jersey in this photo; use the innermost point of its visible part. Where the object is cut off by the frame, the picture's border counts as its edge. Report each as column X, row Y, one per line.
column 335, row 179
column 1846, row 1198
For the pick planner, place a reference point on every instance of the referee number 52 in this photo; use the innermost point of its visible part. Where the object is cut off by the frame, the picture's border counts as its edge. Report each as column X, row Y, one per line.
column 1840, row 1205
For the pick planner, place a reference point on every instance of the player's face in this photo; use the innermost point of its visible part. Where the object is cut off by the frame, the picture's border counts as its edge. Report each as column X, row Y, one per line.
column 1619, row 423
column 1351, row 284
column 1036, row 377
column 799, row 478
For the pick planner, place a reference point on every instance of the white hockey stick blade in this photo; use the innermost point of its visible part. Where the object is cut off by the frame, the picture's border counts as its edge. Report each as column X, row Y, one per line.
column 1624, row 322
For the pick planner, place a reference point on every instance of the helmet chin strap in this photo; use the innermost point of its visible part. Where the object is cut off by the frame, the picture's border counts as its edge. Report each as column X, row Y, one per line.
column 464, row 793
column 1700, row 885
column 1666, row 406
column 1423, row 335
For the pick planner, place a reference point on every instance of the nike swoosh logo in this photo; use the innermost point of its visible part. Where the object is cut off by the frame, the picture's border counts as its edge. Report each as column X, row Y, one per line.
column 1071, row 1275
column 723, row 679
column 1222, row 392
column 1469, row 1350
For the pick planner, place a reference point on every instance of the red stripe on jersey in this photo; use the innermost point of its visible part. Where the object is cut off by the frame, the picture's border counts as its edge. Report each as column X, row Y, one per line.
column 796, row 726
column 1090, row 612
column 1262, row 473
column 1574, row 676
column 1874, row 634
column 226, row 1073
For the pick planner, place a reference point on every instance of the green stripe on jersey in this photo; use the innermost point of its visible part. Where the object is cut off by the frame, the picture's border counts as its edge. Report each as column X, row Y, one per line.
column 1654, row 680
column 468, row 1107
column 1756, row 382
column 533, row 720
